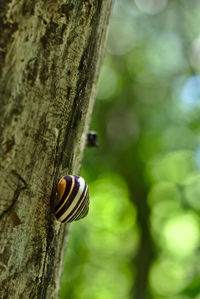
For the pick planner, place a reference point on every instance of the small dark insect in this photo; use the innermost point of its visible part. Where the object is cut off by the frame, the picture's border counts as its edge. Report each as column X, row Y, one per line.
column 73, row 202
column 92, row 139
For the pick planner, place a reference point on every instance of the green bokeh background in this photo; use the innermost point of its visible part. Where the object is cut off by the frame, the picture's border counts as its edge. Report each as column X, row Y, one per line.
column 141, row 237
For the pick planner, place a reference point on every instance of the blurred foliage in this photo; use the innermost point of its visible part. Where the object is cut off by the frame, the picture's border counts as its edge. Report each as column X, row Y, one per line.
column 141, row 238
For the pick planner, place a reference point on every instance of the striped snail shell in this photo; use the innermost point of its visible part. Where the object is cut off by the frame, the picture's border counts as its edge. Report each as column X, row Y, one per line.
column 73, row 202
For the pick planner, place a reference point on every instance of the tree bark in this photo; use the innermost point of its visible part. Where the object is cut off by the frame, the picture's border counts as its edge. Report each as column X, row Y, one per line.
column 50, row 55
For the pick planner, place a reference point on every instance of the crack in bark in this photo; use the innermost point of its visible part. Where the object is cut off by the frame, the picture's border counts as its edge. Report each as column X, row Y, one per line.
column 22, row 185
column 48, row 262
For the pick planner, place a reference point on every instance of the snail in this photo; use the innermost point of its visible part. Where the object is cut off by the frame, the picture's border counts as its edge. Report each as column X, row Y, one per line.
column 73, row 202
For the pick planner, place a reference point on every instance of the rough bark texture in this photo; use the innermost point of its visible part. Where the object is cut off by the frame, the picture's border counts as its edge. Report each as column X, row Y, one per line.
column 50, row 54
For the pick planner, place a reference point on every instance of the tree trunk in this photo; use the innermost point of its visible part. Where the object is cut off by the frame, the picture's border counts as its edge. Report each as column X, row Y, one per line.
column 50, row 55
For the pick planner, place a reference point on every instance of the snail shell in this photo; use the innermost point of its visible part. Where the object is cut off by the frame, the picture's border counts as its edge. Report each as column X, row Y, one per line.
column 73, row 202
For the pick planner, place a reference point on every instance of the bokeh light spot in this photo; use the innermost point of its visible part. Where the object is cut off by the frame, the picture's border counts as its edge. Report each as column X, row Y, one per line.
column 195, row 54
column 181, row 235
column 167, row 277
column 121, row 37
column 192, row 191
column 159, row 52
column 108, row 82
column 163, row 191
column 151, row 6
column 190, row 93
column 174, row 166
